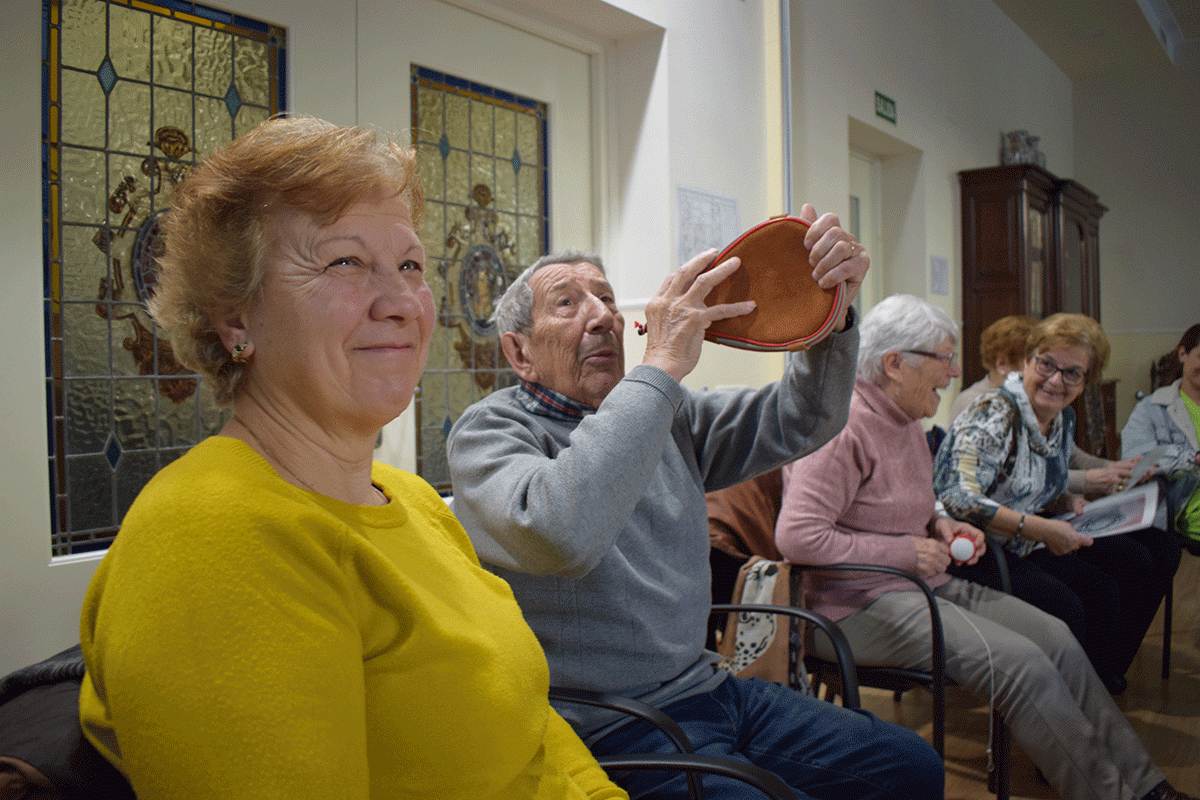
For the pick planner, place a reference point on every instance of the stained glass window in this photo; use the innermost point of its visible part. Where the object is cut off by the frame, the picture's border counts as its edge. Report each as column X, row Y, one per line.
column 134, row 94
column 482, row 156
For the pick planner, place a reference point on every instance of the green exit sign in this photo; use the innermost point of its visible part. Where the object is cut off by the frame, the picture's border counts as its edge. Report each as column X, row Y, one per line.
column 885, row 107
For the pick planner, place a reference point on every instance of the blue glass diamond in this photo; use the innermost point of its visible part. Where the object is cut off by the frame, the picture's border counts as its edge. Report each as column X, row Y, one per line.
column 106, row 75
column 516, row 161
column 444, row 146
column 233, row 100
column 112, row 451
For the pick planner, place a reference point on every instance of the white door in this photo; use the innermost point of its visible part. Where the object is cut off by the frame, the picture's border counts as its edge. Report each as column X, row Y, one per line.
column 864, row 223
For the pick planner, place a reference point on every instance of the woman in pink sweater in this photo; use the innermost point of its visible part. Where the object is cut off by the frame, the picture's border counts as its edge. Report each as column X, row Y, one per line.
column 867, row 497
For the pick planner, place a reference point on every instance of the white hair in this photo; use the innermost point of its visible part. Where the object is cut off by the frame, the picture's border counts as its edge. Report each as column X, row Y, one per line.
column 898, row 323
column 514, row 309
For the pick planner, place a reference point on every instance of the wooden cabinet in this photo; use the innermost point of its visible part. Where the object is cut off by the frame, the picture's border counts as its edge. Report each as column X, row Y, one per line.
column 1006, row 221
column 1031, row 245
column 1096, row 420
column 1076, row 272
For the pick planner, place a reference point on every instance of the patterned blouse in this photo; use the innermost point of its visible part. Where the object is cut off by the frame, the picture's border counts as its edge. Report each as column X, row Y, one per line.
column 995, row 455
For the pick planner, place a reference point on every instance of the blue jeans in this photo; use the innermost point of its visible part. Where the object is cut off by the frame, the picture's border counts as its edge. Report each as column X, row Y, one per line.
column 819, row 749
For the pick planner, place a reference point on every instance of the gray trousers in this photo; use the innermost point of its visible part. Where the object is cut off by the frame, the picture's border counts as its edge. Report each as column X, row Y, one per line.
column 1052, row 700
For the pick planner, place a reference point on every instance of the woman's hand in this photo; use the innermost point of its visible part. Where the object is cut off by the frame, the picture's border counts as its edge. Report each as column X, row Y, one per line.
column 946, row 528
column 1057, row 535
column 1112, row 478
column 933, row 556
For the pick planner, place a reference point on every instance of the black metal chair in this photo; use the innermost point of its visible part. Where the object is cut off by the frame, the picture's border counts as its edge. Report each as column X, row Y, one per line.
column 1169, row 597
column 687, row 759
column 1164, row 370
column 900, row 679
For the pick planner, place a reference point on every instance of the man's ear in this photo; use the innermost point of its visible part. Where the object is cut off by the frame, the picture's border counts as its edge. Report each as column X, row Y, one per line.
column 516, row 349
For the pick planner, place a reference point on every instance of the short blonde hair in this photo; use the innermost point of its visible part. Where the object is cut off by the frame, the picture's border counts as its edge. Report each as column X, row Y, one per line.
column 1071, row 330
column 1005, row 339
column 221, row 224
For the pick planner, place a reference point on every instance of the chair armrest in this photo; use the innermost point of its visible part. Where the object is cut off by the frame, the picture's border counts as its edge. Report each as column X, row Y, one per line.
column 626, row 705
column 937, row 671
column 766, row 782
column 841, row 646
column 997, row 548
column 644, row 711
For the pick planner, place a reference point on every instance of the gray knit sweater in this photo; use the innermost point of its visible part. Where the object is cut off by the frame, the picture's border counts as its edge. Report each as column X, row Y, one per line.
column 599, row 525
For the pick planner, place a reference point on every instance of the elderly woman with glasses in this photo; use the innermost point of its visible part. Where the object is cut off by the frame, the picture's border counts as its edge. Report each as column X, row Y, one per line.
column 865, row 497
column 1003, row 467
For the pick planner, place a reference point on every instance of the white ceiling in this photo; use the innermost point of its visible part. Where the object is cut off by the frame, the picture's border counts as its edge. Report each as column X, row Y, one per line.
column 1090, row 38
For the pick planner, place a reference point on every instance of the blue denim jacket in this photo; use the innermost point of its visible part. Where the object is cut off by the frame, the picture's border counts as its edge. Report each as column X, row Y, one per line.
column 1162, row 419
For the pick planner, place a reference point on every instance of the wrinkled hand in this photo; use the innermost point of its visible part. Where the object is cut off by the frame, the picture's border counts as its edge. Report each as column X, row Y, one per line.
column 946, row 529
column 836, row 256
column 1059, row 536
column 933, row 556
column 1076, row 503
column 676, row 316
column 1112, row 478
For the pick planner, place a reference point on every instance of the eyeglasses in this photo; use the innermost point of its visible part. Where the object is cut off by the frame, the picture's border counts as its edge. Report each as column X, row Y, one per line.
column 1071, row 376
column 950, row 359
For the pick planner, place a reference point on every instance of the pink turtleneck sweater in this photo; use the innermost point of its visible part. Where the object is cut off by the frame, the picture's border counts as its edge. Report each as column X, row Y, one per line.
column 859, row 499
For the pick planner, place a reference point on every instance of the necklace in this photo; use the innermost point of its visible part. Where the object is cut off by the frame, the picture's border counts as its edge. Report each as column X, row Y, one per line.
column 281, row 468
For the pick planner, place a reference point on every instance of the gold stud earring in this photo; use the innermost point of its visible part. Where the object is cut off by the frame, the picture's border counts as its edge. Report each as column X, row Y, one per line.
column 239, row 351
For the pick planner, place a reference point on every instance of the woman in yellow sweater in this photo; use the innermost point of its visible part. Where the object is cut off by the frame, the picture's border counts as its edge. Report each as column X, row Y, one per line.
column 281, row 617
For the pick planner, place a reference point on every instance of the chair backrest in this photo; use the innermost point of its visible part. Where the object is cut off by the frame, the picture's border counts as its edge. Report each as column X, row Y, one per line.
column 1165, row 369
column 43, row 752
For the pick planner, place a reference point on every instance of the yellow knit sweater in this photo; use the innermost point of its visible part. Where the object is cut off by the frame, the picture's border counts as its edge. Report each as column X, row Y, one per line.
column 246, row 638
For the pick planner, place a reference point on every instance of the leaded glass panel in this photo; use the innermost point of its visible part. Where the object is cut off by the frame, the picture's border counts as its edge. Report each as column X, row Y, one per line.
column 482, row 156
column 134, row 94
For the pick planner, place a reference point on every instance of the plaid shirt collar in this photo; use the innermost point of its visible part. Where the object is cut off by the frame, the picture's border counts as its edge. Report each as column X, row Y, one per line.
column 537, row 399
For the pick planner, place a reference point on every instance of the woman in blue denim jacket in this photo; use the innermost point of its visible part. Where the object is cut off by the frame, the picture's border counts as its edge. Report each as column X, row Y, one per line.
column 1165, row 426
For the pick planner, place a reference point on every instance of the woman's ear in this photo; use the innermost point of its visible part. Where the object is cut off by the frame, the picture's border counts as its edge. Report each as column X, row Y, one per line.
column 516, row 350
column 233, row 332
column 892, row 361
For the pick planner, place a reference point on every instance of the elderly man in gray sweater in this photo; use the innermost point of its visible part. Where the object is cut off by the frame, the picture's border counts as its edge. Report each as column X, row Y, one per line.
column 584, row 487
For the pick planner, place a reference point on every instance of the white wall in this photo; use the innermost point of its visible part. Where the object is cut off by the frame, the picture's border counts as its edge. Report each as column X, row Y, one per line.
column 1138, row 148
column 961, row 73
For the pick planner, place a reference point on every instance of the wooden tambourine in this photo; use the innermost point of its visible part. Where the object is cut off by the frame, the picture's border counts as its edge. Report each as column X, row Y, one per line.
column 792, row 311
